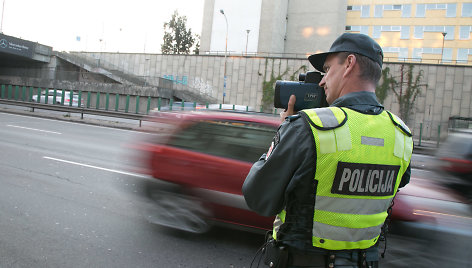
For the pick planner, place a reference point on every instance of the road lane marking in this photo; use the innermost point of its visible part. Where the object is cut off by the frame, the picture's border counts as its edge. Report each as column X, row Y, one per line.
column 35, row 129
column 83, row 122
column 429, row 213
column 95, row 167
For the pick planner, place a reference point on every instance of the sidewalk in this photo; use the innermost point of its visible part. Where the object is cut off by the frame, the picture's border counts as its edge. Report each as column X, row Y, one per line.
column 427, row 147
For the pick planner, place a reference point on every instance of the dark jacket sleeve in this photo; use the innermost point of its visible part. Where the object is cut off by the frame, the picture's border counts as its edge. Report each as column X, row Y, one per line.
column 406, row 177
column 272, row 178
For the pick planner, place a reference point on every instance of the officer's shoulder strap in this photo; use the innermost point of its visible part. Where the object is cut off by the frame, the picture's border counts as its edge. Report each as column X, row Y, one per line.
column 399, row 123
column 292, row 118
column 325, row 118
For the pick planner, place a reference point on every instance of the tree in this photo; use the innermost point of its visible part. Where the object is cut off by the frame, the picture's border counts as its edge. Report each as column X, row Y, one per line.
column 406, row 90
column 177, row 38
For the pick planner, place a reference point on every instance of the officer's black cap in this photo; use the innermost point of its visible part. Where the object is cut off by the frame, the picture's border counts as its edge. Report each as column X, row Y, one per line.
column 350, row 42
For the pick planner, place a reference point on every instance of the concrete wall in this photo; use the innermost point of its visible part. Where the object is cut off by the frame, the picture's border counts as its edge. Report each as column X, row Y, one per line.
column 448, row 92
column 314, row 25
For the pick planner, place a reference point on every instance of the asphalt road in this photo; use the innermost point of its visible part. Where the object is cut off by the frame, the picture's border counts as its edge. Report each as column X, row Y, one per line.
column 65, row 202
column 68, row 199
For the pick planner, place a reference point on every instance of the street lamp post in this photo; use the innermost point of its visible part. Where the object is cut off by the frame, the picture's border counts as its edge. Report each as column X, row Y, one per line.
column 247, row 39
column 226, row 51
column 442, row 49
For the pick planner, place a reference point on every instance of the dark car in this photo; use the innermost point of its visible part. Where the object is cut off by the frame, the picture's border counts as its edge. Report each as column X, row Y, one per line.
column 455, row 154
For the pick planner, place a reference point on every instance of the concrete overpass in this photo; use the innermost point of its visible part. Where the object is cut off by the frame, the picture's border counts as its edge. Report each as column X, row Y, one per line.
column 25, row 63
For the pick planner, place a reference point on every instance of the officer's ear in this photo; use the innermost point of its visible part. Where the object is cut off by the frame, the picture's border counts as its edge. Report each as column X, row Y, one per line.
column 349, row 64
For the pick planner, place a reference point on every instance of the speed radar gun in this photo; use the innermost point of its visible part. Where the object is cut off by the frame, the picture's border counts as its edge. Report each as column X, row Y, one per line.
column 309, row 94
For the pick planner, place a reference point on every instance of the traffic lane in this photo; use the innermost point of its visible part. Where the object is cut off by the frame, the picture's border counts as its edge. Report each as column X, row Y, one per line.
column 56, row 232
column 81, row 197
column 432, row 250
column 58, row 223
column 65, row 139
column 423, row 161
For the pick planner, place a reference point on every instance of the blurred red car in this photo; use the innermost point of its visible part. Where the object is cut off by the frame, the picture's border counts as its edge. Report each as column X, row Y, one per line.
column 198, row 162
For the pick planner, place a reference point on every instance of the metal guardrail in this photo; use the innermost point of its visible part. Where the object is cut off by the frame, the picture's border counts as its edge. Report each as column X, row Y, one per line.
column 70, row 109
column 105, row 105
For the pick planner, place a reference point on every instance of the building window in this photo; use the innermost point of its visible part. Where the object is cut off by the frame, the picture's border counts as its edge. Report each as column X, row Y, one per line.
column 449, row 30
column 378, row 11
column 403, row 53
column 417, row 53
column 463, row 55
column 406, row 11
column 377, row 32
column 466, row 9
column 419, row 32
column 405, row 32
column 464, row 33
column 447, row 55
column 451, row 10
column 365, row 11
column 361, row 29
column 391, row 49
column 420, row 10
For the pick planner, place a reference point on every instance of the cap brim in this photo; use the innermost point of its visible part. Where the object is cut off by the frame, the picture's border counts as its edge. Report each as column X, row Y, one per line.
column 317, row 60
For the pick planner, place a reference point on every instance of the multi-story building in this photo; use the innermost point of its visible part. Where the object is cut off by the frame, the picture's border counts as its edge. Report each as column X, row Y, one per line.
column 420, row 30
column 428, row 31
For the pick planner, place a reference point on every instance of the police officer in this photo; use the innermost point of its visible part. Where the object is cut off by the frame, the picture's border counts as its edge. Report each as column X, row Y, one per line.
column 331, row 173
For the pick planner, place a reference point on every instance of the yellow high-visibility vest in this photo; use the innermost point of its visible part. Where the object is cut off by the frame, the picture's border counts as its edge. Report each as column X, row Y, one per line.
column 360, row 161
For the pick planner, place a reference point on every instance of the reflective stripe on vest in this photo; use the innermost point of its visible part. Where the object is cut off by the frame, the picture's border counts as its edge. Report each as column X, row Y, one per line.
column 337, row 139
column 358, row 173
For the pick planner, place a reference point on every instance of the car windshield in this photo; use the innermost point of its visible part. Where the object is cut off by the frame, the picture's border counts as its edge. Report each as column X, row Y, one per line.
column 233, row 139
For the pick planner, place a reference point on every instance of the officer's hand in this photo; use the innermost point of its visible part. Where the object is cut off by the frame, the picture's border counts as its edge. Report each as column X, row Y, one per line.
column 289, row 111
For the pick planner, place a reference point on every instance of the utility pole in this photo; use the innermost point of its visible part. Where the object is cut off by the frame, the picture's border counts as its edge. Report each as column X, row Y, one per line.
column 247, row 39
column 226, row 51
column 442, row 49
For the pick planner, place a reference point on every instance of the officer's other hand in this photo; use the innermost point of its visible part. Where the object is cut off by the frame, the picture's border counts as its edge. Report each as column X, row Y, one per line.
column 289, row 111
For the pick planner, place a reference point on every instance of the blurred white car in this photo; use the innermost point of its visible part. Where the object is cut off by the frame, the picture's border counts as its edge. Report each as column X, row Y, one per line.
column 58, row 99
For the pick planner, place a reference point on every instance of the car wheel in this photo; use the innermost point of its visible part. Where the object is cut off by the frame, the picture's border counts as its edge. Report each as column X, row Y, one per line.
column 178, row 211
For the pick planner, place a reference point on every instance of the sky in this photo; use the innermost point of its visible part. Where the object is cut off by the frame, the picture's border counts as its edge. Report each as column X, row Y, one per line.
column 242, row 15
column 134, row 26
